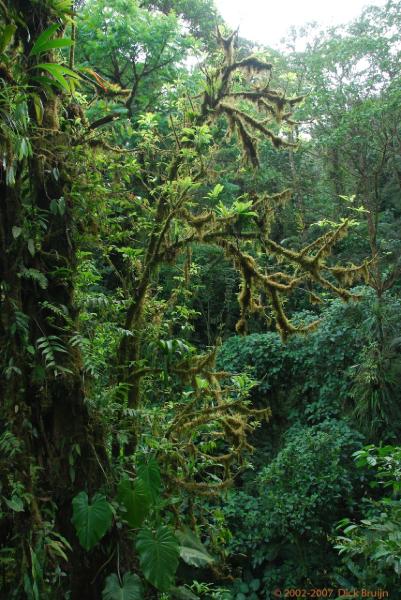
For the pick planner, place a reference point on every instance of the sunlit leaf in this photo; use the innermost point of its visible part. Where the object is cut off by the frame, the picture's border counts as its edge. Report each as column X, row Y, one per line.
column 38, row 106
column 192, row 551
column 6, row 36
column 43, row 38
column 52, row 44
column 58, row 72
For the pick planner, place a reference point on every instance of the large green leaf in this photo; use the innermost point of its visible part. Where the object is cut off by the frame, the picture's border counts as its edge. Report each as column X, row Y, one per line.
column 91, row 521
column 44, row 43
column 135, row 499
column 158, row 556
column 52, row 44
column 59, row 72
column 130, row 589
column 43, row 38
column 192, row 551
column 148, row 471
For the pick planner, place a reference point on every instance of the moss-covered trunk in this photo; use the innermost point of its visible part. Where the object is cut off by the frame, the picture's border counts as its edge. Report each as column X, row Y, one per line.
column 59, row 449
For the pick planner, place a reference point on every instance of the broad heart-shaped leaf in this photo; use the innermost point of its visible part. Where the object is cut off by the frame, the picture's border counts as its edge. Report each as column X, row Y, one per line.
column 138, row 497
column 131, row 588
column 135, row 499
column 91, row 521
column 158, row 556
column 148, row 471
column 192, row 551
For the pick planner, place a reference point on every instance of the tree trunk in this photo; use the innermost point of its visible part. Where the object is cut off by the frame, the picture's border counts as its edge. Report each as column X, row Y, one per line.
column 44, row 407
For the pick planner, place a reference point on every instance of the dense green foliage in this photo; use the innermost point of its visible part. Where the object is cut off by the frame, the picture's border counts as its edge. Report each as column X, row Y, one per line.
column 200, row 298
column 286, row 525
column 329, row 373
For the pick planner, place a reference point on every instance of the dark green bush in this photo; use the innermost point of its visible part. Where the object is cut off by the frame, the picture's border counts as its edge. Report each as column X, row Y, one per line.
column 284, row 523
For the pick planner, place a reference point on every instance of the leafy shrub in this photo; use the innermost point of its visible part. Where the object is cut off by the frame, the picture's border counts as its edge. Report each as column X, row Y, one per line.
column 317, row 376
column 371, row 548
column 287, row 521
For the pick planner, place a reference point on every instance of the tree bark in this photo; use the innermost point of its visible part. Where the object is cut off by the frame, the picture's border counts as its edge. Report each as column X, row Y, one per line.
column 44, row 406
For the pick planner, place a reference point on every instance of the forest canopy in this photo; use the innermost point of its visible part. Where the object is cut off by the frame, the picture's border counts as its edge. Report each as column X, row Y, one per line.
column 200, row 296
